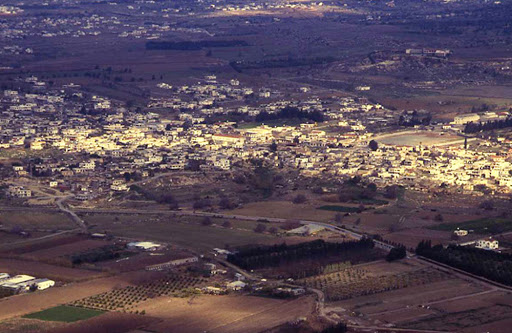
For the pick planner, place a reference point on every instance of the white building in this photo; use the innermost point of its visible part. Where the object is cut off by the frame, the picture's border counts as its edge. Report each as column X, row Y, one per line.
column 460, row 232
column 144, row 246
column 466, row 118
column 487, row 244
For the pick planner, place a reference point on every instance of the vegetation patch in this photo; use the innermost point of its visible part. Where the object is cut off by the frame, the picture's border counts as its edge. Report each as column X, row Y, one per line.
column 336, row 208
column 480, row 226
column 489, row 264
column 64, row 313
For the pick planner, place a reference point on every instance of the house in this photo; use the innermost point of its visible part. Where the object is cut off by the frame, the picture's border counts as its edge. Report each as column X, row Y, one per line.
column 19, row 192
column 236, row 285
column 460, row 232
column 487, row 244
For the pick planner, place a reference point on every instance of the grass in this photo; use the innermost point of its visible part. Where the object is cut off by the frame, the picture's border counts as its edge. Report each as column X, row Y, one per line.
column 480, row 226
column 64, row 313
column 377, row 202
column 343, row 209
column 192, row 235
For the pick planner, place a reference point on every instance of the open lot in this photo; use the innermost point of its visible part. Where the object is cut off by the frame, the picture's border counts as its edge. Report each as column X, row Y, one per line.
column 33, row 220
column 284, row 209
column 226, row 314
column 40, row 269
column 188, row 234
column 420, row 138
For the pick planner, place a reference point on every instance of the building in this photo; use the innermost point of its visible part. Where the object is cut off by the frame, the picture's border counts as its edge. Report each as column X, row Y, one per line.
column 460, row 232
column 466, row 118
column 487, row 244
column 172, row 263
column 19, row 192
column 143, row 246
column 236, row 285
column 40, row 284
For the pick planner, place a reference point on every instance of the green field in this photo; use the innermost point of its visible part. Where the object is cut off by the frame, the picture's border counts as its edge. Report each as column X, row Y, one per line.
column 480, row 226
column 343, row 209
column 64, row 313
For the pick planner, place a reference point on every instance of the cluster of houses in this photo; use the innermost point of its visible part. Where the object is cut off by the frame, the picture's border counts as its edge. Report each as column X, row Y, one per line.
column 107, row 146
column 24, row 283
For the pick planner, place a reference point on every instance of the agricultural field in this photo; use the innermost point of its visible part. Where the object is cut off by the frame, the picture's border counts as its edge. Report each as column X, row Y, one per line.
column 33, row 302
column 486, row 225
column 468, row 315
column 54, row 272
column 25, row 325
column 285, row 210
column 353, row 282
column 171, row 230
column 64, row 313
column 224, row 314
column 128, row 297
column 446, row 304
column 35, row 220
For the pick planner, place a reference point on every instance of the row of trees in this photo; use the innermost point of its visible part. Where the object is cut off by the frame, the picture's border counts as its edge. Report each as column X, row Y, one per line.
column 103, row 253
column 489, row 264
column 290, row 112
column 276, row 255
column 472, row 127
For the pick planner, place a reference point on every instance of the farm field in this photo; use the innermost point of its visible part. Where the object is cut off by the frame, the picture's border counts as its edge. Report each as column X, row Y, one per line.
column 64, row 313
column 354, row 282
column 480, row 226
column 65, row 249
column 25, row 325
column 39, row 269
column 224, row 314
column 190, row 235
column 128, row 297
column 31, row 220
column 109, row 322
column 27, row 303
column 467, row 314
column 284, row 209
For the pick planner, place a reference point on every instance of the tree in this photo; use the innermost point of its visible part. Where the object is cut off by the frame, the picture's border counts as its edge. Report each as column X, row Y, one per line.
column 260, row 228
column 227, row 224
column 299, row 199
column 396, row 253
column 273, row 146
column 373, row 145
column 206, row 221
